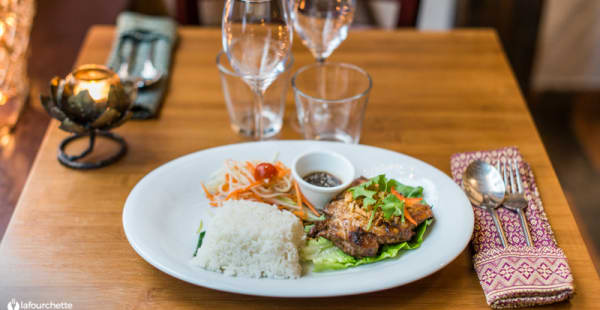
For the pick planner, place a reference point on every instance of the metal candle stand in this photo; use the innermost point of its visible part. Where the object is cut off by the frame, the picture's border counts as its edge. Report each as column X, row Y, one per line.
column 89, row 102
column 71, row 161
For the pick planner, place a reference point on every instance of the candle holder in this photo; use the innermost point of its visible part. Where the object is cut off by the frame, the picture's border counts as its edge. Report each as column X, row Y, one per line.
column 89, row 102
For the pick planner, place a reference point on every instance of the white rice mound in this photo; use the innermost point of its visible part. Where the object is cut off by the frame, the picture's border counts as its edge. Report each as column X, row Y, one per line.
column 252, row 239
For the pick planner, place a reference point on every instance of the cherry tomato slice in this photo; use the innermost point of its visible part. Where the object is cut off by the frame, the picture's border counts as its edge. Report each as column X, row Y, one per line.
column 264, row 171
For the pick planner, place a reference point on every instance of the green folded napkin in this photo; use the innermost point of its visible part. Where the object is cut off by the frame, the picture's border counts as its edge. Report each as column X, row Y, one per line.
column 163, row 30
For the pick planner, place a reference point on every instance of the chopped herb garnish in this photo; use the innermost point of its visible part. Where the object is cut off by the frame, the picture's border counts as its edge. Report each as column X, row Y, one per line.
column 369, row 202
column 375, row 193
column 392, row 206
column 307, row 228
column 409, row 191
column 371, row 218
column 362, row 191
column 200, row 238
column 199, row 227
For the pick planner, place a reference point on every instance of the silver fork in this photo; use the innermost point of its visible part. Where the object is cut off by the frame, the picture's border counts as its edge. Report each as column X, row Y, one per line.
column 515, row 196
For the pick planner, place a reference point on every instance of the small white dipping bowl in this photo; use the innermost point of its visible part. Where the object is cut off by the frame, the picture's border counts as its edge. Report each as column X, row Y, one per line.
column 330, row 162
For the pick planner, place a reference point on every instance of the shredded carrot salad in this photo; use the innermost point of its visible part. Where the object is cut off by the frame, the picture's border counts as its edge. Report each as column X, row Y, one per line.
column 268, row 182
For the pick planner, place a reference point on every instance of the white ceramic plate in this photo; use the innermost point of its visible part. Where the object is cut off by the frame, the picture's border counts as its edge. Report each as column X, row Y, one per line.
column 163, row 211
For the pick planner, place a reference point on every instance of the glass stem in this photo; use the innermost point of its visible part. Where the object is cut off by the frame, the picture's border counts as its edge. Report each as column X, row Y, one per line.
column 258, row 107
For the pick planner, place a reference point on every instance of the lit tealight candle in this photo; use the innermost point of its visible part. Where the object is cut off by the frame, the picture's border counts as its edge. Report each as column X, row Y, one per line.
column 98, row 89
column 95, row 79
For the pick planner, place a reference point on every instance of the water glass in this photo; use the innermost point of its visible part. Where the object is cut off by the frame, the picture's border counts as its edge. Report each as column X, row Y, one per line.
column 330, row 100
column 257, row 38
column 240, row 102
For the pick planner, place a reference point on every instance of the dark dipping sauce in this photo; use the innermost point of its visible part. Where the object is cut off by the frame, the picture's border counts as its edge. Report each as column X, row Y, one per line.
column 322, row 179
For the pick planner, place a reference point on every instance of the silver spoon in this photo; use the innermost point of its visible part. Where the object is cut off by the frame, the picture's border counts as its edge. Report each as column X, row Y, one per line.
column 485, row 189
column 149, row 74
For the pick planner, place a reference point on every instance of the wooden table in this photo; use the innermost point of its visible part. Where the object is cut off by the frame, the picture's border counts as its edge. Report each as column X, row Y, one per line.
column 434, row 94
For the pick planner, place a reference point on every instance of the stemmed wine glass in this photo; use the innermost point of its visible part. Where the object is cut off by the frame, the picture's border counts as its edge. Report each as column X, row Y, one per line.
column 257, row 38
column 322, row 24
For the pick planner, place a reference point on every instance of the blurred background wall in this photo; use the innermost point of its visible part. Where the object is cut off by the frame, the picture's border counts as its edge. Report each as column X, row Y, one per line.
column 568, row 52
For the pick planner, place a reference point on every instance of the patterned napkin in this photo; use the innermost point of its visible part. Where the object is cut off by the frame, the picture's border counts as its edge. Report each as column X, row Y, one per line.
column 518, row 275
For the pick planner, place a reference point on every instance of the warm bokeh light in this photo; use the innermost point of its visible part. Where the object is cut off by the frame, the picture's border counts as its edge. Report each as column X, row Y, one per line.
column 5, row 140
column 11, row 20
column 98, row 89
column 3, row 98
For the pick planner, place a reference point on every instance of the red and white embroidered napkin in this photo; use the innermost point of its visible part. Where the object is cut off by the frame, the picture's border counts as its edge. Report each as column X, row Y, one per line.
column 518, row 275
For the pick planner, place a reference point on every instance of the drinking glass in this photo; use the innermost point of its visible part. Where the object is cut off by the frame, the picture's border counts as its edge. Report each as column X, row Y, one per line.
column 331, row 99
column 257, row 38
column 238, row 98
column 322, row 24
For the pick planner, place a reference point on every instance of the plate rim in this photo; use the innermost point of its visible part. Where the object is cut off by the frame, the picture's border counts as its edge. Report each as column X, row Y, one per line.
column 251, row 292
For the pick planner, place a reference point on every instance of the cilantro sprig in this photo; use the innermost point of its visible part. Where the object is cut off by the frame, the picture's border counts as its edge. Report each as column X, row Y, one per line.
column 390, row 205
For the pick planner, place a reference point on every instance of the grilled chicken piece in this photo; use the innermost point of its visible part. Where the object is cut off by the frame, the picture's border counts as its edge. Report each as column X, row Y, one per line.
column 346, row 223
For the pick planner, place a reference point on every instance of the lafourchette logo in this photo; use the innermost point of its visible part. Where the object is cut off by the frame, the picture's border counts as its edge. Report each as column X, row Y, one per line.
column 13, row 305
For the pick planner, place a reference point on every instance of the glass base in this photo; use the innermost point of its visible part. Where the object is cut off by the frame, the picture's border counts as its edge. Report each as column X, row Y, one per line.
column 272, row 124
column 268, row 132
column 336, row 137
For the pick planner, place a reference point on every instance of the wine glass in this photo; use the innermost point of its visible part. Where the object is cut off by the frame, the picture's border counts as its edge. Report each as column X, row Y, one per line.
column 257, row 38
column 322, row 24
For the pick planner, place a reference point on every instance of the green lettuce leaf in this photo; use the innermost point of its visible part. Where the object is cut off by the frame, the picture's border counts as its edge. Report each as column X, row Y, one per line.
column 326, row 256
